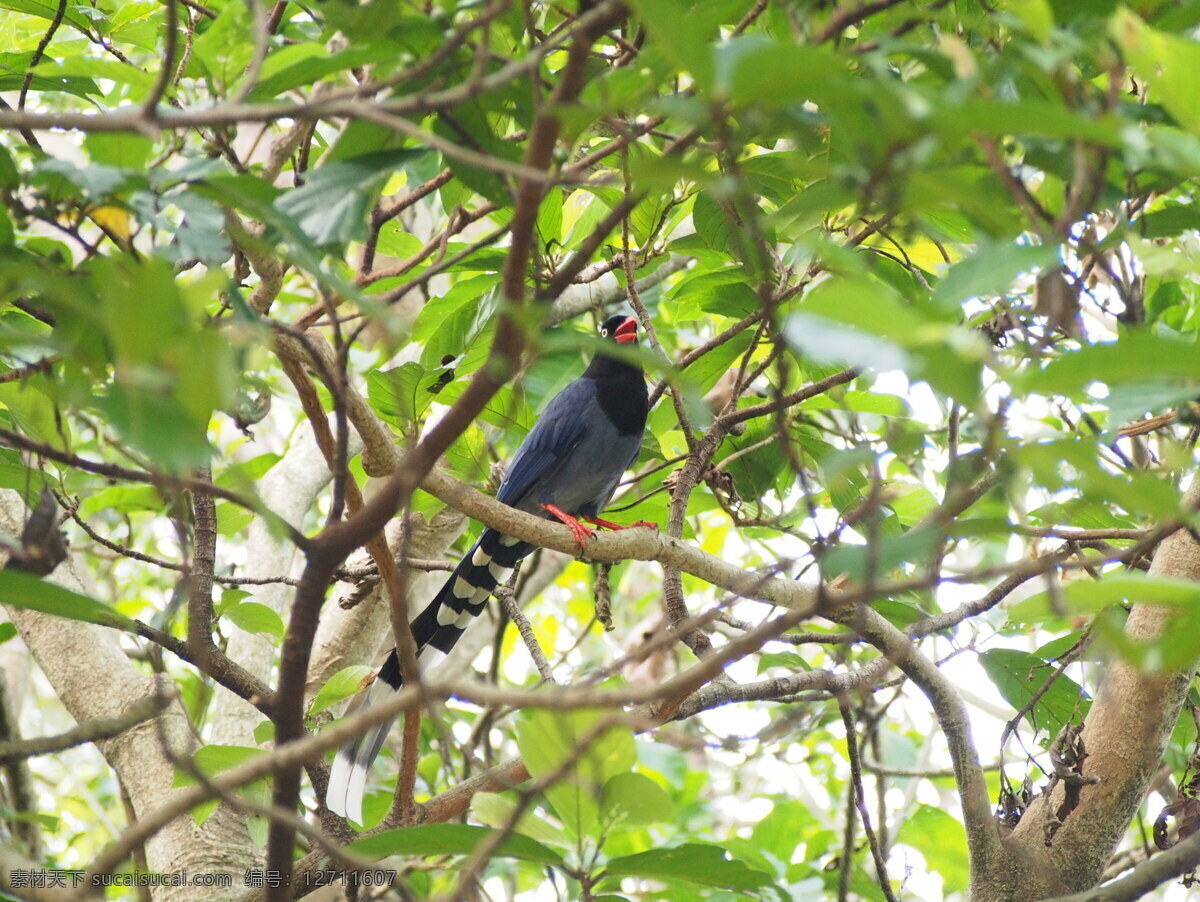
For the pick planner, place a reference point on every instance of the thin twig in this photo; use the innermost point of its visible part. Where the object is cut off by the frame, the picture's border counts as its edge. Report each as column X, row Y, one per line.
column 167, row 72
column 860, row 802
column 508, row 600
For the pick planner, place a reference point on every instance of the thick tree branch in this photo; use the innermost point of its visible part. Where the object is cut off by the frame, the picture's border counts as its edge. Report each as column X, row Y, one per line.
column 1181, row 859
column 1125, row 732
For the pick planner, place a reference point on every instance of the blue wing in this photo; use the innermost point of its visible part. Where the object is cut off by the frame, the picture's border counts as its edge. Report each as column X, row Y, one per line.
column 558, row 430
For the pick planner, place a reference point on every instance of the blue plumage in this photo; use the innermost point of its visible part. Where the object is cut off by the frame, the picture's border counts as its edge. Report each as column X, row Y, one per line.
column 568, row 466
column 555, row 434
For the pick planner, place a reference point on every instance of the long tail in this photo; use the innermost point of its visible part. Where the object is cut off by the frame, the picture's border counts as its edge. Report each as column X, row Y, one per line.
column 436, row 629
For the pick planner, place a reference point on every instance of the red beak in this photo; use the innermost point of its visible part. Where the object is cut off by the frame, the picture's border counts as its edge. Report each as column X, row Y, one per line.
column 627, row 331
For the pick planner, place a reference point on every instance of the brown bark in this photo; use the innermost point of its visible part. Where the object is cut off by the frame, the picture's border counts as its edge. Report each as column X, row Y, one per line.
column 1125, row 733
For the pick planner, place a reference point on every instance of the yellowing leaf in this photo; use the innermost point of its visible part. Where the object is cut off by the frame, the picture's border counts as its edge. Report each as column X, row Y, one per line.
column 396, row 182
column 113, row 220
column 672, row 443
column 921, row 251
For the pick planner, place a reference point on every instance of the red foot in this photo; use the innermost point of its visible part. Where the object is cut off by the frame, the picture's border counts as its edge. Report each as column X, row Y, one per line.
column 608, row 524
column 582, row 533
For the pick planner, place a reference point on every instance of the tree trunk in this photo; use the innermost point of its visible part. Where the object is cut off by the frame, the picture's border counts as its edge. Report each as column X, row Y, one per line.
column 93, row 678
column 1124, row 736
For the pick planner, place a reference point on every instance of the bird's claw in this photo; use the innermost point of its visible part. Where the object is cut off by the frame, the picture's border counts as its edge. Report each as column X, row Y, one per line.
column 608, row 524
column 581, row 532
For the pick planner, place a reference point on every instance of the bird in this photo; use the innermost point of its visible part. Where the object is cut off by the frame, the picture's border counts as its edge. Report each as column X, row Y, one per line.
column 567, row 469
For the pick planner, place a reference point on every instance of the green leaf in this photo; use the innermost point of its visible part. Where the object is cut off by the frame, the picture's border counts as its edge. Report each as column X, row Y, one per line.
column 48, row 83
column 23, row 590
column 1018, row 676
column 548, row 738
column 1118, row 361
column 899, row 613
column 781, row 831
column 157, row 426
column 788, row 660
column 835, row 343
column 682, row 33
column 221, row 49
column 724, row 292
column 331, row 207
column 716, row 228
column 256, row 618
column 1036, row 16
column 1169, row 62
column 305, row 64
column 1081, row 597
column 865, row 323
column 264, row 732
column 990, row 270
column 550, row 219
column 342, row 685
column 49, row 10
column 911, row 502
column 1170, row 220
column 494, row 810
column 888, row 552
column 126, row 150
column 460, row 336
column 199, row 236
column 706, row 370
column 942, row 841
column 860, row 402
column 1056, row 648
column 243, row 476
column 451, row 839
column 10, row 178
column 15, row 475
column 402, row 394
column 213, row 760
column 637, row 799
column 232, row 518
column 1130, row 400
column 97, row 183
column 121, row 499
column 433, row 318
column 467, row 125
column 773, row 175
column 7, row 631
column 757, row 71
column 229, row 597
column 699, row 863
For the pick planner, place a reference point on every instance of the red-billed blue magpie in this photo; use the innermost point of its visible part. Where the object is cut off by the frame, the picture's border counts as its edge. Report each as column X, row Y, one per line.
column 567, row 468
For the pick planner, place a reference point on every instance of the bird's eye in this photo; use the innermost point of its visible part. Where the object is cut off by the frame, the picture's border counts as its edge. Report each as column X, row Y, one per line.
column 603, row 331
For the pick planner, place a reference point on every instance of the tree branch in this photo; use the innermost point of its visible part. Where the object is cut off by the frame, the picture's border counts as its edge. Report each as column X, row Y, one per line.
column 101, row 728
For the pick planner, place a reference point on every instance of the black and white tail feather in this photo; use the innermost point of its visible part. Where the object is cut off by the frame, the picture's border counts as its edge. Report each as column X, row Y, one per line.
column 435, row 630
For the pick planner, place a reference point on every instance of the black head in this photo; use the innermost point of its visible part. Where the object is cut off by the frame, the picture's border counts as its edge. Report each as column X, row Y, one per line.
column 621, row 328
column 620, row 384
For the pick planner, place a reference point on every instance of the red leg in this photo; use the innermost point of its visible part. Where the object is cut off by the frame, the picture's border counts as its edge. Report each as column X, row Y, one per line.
column 582, row 533
column 608, row 524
